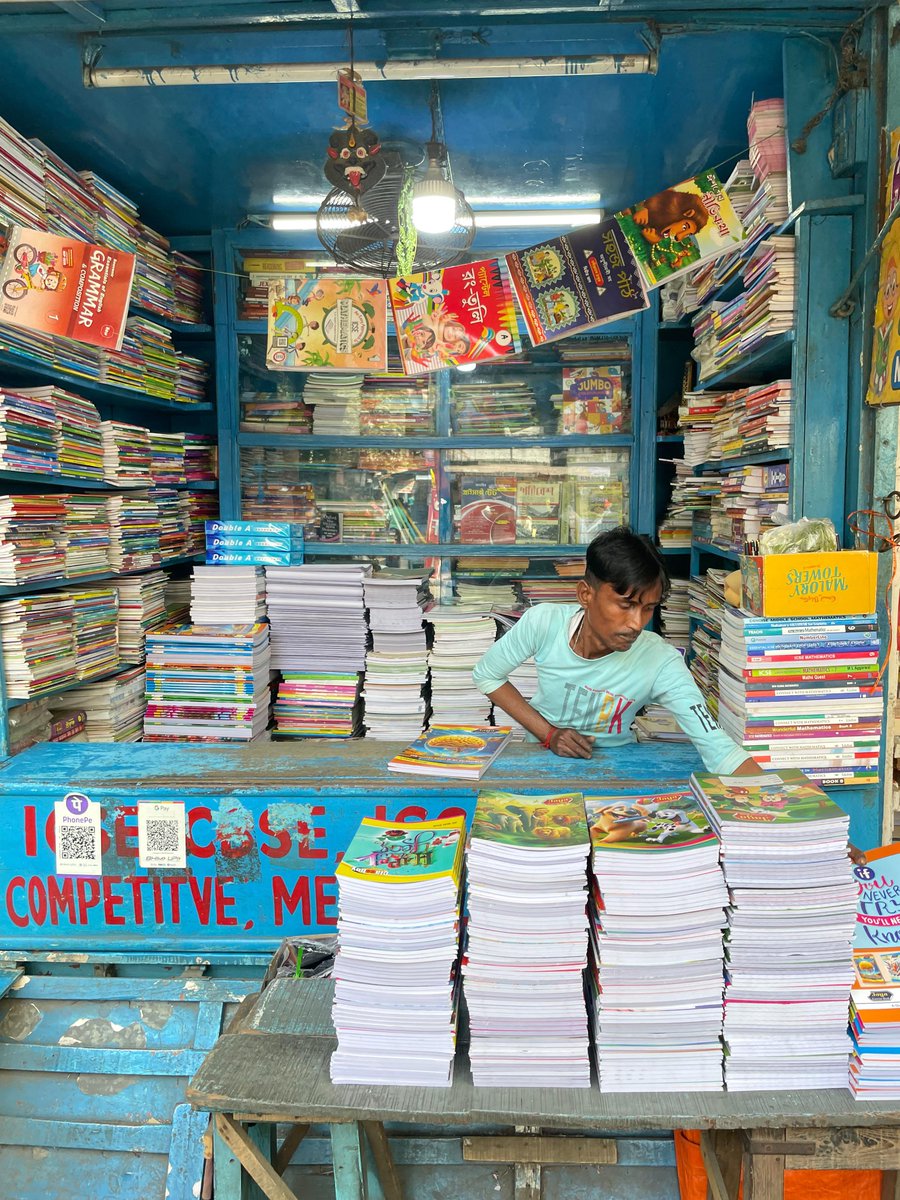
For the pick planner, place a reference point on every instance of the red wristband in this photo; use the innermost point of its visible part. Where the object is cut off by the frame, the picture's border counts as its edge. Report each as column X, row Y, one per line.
column 546, row 742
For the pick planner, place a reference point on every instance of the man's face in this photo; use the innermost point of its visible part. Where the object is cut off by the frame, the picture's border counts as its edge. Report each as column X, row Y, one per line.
column 614, row 620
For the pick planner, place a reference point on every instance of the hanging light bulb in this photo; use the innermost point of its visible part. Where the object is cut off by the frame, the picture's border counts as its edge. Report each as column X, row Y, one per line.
column 434, row 197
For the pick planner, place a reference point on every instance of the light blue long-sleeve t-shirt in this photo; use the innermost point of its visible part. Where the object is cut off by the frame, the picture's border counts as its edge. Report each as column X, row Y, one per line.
column 600, row 697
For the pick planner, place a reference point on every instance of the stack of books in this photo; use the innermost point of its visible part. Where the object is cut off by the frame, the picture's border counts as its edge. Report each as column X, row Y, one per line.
column 32, row 539
column 397, row 662
column 697, row 415
column 494, row 407
column 488, row 594
column 527, row 950
column 802, row 693
column 657, row 915
column 87, row 535
column 547, row 591
column 275, row 412
column 674, row 532
column 461, row 636
column 767, row 130
column 396, row 987
column 142, row 607
column 23, row 197
column 875, row 996
column 28, row 724
column 207, row 683
column 174, row 520
column 71, row 207
column 393, row 405
column 199, row 458
column 178, row 600
column 117, row 222
column 318, row 704
column 126, row 454
column 318, row 617
column 167, row 458
column 38, row 642
column 28, row 433
column 134, row 529
column 154, row 275
column 748, row 501
column 191, row 380
column 79, row 444
column 790, row 928
column 188, row 289
column 525, row 679
column 674, row 616
column 114, row 707
column 336, row 400
column 452, row 751
column 706, row 597
column 201, row 508
column 95, row 614
column 223, row 595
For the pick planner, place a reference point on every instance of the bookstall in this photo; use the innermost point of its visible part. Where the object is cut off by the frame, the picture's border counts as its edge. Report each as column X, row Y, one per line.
column 185, row 467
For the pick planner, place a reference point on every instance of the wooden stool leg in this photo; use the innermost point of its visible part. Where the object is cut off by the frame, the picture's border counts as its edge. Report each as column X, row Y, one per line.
column 384, row 1162
column 764, row 1173
column 890, row 1185
column 350, row 1173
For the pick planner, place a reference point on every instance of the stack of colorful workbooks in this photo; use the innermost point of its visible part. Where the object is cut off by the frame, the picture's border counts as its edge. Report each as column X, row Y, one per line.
column 126, row 454
column 167, row 457
column 87, row 535
column 875, row 997
column 207, row 683
column 142, row 607
column 38, row 642
column 527, row 949
column 134, row 529
column 32, row 539
column 317, row 704
column 657, row 914
column 803, row 693
column 220, row 595
column 114, row 707
column 790, row 927
column 461, row 636
column 397, row 663
column 95, row 615
column 396, row 987
column 28, row 427
column 79, row 443
column 454, row 751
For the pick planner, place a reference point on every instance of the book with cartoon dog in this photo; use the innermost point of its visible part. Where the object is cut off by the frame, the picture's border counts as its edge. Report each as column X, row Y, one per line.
column 664, row 821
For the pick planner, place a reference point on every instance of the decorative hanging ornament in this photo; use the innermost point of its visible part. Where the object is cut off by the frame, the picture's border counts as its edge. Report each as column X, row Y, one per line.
column 354, row 163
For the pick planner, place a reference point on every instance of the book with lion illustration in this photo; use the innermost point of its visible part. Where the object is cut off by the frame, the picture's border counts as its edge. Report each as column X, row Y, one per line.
column 457, row 751
column 530, row 822
column 680, row 227
column 327, row 323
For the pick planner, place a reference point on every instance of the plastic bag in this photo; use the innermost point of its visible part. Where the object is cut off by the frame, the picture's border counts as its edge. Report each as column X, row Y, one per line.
column 801, row 537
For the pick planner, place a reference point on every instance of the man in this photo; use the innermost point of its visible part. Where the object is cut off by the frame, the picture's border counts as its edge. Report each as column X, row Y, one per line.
column 598, row 666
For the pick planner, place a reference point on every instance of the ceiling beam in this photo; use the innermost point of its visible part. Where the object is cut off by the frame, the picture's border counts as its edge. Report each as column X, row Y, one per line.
column 85, row 12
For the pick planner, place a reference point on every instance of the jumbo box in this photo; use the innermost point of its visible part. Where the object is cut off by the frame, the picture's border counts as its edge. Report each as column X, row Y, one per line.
column 809, row 585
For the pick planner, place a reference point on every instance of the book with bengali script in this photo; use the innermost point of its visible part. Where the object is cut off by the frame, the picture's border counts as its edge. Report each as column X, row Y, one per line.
column 455, row 751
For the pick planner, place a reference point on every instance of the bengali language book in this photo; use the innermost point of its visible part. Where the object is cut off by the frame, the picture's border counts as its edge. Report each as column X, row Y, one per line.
column 681, row 226
column 537, row 510
column 455, row 751
column 875, row 995
column 327, row 323
column 598, row 505
column 487, row 512
column 576, row 281
column 593, row 399
column 453, row 315
column 64, row 286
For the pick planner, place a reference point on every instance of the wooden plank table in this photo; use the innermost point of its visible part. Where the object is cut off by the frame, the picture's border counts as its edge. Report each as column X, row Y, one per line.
column 272, row 1068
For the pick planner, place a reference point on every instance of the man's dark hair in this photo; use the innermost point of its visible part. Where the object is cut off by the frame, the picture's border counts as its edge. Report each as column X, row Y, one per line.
column 626, row 560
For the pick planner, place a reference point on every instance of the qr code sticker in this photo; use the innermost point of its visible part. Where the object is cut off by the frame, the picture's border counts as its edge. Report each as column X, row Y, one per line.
column 10, row 309
column 162, row 837
column 77, row 843
column 279, row 340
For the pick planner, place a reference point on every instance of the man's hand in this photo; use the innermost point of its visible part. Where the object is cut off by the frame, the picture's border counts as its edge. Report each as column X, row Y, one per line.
column 857, row 857
column 568, row 743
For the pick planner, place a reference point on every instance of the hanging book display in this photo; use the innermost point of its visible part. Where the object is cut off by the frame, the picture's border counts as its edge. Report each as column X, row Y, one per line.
column 456, row 315
column 884, row 377
column 327, row 323
column 63, row 286
column 577, row 281
column 680, row 227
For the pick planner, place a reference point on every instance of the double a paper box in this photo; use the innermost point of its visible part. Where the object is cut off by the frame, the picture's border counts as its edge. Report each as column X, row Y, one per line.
column 250, row 528
column 837, row 584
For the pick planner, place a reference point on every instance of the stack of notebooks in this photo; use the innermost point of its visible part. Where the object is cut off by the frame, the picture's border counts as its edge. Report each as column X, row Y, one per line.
column 461, row 636
column 317, row 704
column 142, row 607
column 706, row 598
column 167, row 458
column 397, row 663
column 207, row 683
column 453, row 751
column 114, row 707
column 318, row 617
column 527, row 950
column 802, row 693
column 493, row 407
column 95, row 616
column 134, row 529
column 222, row 595
column 396, row 986
column 79, row 440
column 28, row 436
column 199, row 458
column 396, row 405
column 38, row 642
column 87, row 535
column 336, row 402
column 875, row 996
column 32, row 539
column 790, row 927
column 548, row 591
column 126, row 454
column 657, row 914
column 275, row 412
column 188, row 289
column 674, row 619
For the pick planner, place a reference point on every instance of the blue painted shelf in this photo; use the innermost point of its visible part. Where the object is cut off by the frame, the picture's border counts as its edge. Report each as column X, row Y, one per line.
column 181, row 328
column 665, row 551
column 709, row 548
column 440, row 550
column 673, row 439
column 760, row 366
column 75, row 482
column 745, row 460
column 433, row 442
column 76, row 683
column 49, row 585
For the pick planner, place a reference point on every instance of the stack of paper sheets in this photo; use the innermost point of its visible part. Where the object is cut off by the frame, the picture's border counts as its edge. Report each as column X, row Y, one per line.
column 396, row 993
column 657, row 914
column 461, row 636
column 318, row 617
column 220, row 595
column 788, row 950
column 527, row 943
column 397, row 663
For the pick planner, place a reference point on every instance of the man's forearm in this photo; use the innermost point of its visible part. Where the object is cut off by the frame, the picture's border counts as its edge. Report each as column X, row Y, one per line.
column 510, row 699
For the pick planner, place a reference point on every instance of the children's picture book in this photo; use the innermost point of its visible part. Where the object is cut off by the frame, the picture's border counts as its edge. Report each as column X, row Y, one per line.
column 680, row 227
column 457, row 751
column 593, row 400
column 787, row 797
column 537, row 510
column 327, row 323
column 394, row 852
column 462, row 314
column 487, row 510
column 878, row 912
column 577, row 281
column 638, row 824
column 599, row 505
column 884, row 375
column 59, row 285
column 530, row 822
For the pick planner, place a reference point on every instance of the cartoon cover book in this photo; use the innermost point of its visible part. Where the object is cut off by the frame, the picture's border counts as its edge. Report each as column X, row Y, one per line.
column 785, row 797
column 63, row 286
column 680, row 227
column 327, row 323
column 487, row 511
column 667, row 820
column 877, row 934
column 394, row 852
column 592, row 399
column 577, row 281
column 462, row 314
column 454, row 750
column 530, row 822
column 884, row 375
